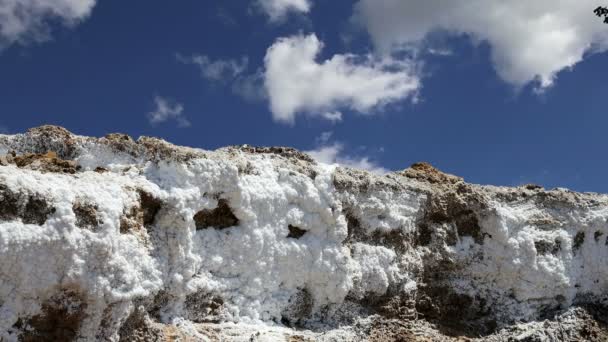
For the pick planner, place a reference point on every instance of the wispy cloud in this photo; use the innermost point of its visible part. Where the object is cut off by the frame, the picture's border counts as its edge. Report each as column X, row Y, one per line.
column 216, row 70
column 232, row 73
column 277, row 10
column 333, row 153
column 165, row 110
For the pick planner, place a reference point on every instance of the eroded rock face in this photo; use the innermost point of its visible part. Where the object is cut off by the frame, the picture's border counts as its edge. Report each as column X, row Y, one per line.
column 30, row 208
column 220, row 217
column 59, row 320
column 127, row 240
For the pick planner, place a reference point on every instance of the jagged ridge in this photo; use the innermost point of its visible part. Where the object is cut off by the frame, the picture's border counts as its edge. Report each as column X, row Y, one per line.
column 115, row 239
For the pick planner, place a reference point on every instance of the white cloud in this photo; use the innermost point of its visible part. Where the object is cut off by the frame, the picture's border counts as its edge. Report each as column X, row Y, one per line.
column 218, row 70
column 277, row 10
column 333, row 154
column 333, row 116
column 232, row 72
column 250, row 86
column 529, row 40
column 297, row 83
column 24, row 21
column 324, row 137
column 167, row 110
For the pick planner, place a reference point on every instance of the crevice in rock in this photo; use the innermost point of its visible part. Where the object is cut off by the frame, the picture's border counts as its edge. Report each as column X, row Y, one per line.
column 142, row 215
column 578, row 241
column 219, row 218
column 295, row 232
column 597, row 235
column 150, row 206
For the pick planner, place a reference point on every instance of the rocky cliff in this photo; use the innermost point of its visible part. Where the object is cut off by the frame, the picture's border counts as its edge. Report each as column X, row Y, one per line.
column 112, row 239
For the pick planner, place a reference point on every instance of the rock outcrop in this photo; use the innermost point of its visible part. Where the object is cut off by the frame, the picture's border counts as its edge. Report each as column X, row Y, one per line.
column 112, row 239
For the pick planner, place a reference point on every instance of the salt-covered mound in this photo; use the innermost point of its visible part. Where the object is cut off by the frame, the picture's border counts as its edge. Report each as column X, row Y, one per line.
column 115, row 239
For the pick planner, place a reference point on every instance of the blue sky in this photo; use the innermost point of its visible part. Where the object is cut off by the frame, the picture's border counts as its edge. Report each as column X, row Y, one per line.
column 503, row 100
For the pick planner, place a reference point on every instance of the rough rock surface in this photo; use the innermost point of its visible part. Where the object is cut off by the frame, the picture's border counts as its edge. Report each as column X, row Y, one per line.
column 112, row 239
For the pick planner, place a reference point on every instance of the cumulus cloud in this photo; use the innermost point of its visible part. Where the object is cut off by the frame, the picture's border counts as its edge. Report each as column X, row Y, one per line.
column 167, row 110
column 297, row 83
column 333, row 153
column 277, row 10
column 529, row 40
column 23, row 21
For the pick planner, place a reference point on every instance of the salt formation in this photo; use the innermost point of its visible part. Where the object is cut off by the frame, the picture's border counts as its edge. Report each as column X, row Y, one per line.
column 114, row 239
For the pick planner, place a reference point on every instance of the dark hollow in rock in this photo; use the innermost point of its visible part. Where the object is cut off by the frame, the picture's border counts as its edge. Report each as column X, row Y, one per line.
column 545, row 247
column 298, row 310
column 597, row 235
column 578, row 241
column 9, row 204
column 354, row 228
column 30, row 208
column 295, row 232
column 37, row 211
column 150, row 206
column 202, row 307
column 59, row 320
column 142, row 215
column 221, row 217
column 86, row 215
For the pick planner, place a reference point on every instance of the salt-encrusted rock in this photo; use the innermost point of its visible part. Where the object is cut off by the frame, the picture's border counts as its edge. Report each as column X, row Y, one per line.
column 116, row 239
